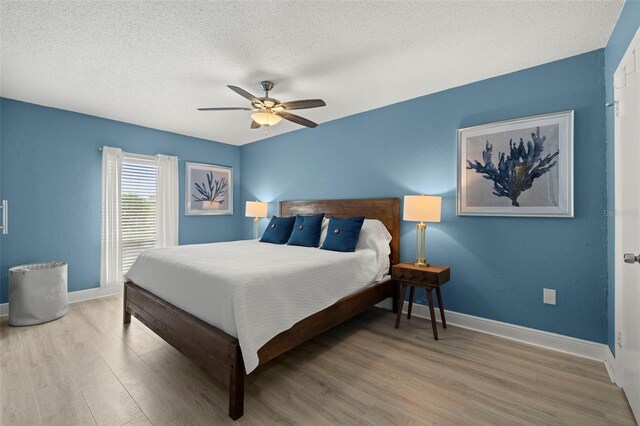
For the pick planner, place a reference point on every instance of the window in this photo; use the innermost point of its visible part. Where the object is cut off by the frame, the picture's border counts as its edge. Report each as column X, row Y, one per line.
column 139, row 209
column 138, row 206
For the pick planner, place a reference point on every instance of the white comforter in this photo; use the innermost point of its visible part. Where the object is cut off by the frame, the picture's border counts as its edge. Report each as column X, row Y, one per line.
column 253, row 290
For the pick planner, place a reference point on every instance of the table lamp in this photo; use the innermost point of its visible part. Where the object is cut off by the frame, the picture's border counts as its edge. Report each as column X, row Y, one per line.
column 422, row 208
column 256, row 210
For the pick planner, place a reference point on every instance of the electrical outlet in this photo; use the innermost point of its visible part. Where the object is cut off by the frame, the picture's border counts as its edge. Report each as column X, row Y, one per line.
column 549, row 296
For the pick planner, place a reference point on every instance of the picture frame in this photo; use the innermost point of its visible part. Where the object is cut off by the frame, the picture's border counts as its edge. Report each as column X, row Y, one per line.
column 521, row 167
column 208, row 190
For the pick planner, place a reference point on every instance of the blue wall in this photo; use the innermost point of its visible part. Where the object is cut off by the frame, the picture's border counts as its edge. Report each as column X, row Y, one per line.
column 499, row 265
column 51, row 173
column 626, row 28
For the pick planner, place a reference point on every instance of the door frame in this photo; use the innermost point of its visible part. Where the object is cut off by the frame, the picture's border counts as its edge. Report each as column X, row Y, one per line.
column 618, row 257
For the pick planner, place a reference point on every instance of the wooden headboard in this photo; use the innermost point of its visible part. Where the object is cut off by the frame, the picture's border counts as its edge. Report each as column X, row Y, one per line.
column 386, row 210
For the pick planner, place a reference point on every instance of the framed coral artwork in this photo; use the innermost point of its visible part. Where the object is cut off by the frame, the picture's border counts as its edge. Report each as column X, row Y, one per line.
column 521, row 167
column 209, row 189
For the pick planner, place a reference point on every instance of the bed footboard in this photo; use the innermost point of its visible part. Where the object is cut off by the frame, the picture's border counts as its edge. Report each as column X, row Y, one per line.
column 211, row 349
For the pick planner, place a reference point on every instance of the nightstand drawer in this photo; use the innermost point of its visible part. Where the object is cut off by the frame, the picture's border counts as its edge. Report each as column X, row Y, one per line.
column 426, row 276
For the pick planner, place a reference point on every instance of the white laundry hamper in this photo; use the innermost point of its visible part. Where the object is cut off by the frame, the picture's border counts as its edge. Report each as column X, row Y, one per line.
column 37, row 293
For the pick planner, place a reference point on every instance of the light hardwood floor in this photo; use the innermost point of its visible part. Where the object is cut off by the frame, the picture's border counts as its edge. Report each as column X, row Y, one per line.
column 87, row 368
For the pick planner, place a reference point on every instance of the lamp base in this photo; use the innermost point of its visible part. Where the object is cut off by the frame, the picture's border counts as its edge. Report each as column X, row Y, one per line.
column 421, row 259
column 256, row 228
column 422, row 262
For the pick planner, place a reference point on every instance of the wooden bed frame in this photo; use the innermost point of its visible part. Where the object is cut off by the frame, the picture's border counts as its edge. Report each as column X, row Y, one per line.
column 218, row 353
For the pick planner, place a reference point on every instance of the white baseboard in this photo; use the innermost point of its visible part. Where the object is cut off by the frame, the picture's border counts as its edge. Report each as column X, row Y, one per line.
column 610, row 365
column 78, row 296
column 544, row 339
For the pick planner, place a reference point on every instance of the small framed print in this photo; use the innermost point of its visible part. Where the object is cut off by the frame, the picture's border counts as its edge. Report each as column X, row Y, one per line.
column 209, row 189
column 521, row 167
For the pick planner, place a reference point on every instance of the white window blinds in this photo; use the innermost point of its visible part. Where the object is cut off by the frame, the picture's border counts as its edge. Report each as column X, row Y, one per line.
column 138, row 207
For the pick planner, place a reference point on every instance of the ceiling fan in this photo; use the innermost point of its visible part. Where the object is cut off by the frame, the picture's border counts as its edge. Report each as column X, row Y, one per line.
column 269, row 111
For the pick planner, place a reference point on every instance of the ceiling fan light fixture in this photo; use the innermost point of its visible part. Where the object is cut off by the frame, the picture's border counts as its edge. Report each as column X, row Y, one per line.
column 266, row 119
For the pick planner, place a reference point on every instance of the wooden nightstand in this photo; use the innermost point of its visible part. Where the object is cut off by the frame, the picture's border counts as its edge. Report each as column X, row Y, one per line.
column 427, row 277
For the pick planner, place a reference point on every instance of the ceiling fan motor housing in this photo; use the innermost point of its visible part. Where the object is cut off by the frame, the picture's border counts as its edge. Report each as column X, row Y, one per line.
column 267, row 102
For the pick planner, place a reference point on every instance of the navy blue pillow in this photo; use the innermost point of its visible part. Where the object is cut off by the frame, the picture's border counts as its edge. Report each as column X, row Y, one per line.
column 278, row 230
column 306, row 231
column 343, row 234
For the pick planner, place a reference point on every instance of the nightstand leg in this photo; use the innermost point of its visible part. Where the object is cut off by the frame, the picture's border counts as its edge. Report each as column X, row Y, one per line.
column 411, row 292
column 432, row 312
column 403, row 292
column 441, row 306
column 395, row 298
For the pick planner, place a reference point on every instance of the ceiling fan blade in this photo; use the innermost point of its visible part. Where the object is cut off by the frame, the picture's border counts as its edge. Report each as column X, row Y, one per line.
column 296, row 119
column 304, row 104
column 225, row 109
column 254, row 125
column 244, row 94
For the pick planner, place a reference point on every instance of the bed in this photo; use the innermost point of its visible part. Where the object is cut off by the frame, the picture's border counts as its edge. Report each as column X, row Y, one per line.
column 210, row 341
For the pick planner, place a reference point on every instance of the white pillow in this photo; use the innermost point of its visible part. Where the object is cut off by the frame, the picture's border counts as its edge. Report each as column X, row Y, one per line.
column 374, row 235
column 323, row 230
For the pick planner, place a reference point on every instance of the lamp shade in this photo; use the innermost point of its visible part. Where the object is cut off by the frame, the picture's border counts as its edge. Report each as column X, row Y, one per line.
column 422, row 208
column 256, row 209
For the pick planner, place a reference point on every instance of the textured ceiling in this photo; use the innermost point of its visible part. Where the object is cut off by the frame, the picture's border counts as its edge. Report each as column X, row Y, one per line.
column 154, row 63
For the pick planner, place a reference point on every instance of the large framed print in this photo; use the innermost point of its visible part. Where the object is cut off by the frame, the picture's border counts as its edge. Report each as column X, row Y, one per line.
column 521, row 167
column 209, row 189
